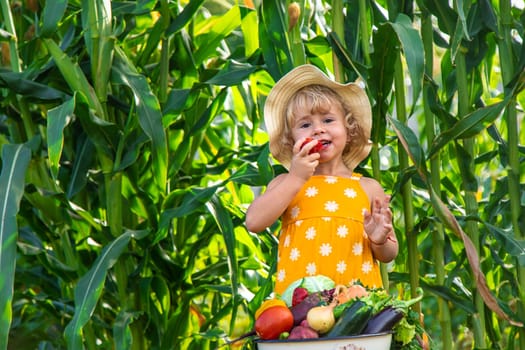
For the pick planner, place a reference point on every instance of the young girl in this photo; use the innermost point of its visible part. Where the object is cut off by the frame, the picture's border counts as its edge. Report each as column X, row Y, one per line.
column 335, row 222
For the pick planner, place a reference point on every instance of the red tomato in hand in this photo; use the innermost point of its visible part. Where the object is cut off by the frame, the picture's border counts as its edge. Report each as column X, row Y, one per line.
column 273, row 321
column 315, row 149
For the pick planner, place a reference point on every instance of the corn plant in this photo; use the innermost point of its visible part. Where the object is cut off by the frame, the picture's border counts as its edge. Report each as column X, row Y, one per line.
column 133, row 140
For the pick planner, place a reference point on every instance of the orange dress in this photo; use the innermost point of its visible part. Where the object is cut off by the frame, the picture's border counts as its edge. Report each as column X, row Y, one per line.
column 322, row 233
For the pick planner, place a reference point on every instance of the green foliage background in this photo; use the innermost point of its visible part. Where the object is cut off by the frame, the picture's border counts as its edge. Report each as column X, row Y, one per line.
column 132, row 142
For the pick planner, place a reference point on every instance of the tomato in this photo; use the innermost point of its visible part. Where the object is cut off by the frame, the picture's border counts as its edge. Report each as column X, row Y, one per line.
column 268, row 304
column 274, row 321
column 315, row 149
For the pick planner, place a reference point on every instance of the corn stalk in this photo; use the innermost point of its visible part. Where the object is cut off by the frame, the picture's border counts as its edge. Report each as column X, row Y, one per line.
column 508, row 71
column 438, row 234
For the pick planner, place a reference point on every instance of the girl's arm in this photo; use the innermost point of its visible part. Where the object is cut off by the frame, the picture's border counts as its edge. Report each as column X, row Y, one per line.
column 378, row 223
column 268, row 207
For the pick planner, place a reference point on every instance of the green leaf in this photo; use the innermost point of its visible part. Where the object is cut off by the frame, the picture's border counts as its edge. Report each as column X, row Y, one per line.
column 381, row 77
column 15, row 160
column 160, row 301
column 413, row 51
column 148, row 112
column 57, row 119
column 74, row 76
column 471, row 125
column 192, row 201
column 411, row 144
column 234, row 74
column 512, row 245
column 19, row 83
column 100, row 42
column 79, row 174
column 184, row 17
column 90, row 286
column 273, row 26
column 52, row 16
column 224, row 222
column 101, row 133
column 344, row 56
column 206, row 118
column 212, row 38
column 122, row 332
column 445, row 15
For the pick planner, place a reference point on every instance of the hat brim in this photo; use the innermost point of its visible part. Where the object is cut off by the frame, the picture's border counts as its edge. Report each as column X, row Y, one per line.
column 277, row 101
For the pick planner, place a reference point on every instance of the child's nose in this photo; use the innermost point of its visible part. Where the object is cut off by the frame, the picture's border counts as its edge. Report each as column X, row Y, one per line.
column 318, row 129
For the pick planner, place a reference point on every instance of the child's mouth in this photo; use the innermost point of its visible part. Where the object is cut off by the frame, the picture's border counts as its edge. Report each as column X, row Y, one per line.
column 324, row 143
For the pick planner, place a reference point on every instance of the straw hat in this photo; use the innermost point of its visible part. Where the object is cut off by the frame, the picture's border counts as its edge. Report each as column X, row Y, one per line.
column 277, row 101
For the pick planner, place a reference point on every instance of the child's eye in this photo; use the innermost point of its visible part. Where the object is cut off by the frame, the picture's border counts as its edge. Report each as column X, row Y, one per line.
column 328, row 120
column 304, row 125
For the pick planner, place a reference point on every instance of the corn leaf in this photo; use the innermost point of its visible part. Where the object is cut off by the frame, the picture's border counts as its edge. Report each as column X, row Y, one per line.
column 121, row 331
column 19, row 83
column 52, row 16
column 411, row 144
column 15, row 159
column 184, row 17
column 83, row 158
column 222, row 27
column 224, row 222
column 413, row 50
column 90, row 286
column 57, row 120
column 273, row 27
column 74, row 76
column 148, row 112
column 469, row 126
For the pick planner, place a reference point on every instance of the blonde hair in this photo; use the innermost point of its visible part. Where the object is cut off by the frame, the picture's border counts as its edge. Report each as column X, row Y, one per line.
column 318, row 99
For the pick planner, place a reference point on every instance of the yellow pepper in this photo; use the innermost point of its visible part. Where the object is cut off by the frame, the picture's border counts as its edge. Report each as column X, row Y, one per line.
column 268, row 304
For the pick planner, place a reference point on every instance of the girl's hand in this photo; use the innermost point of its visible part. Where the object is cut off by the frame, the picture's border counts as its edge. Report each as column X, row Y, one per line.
column 303, row 164
column 378, row 223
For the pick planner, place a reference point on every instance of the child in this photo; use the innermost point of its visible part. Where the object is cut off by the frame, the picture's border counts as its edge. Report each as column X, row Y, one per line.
column 335, row 222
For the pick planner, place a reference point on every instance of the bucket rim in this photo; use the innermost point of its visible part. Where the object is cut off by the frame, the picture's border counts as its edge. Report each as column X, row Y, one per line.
column 344, row 337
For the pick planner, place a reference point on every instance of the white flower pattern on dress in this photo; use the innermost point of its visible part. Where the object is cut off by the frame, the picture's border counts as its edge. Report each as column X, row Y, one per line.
column 310, row 233
column 281, row 275
column 331, row 206
column 311, row 269
column 342, row 231
column 325, row 249
column 341, row 266
column 367, row 267
column 350, row 193
column 331, row 179
column 357, row 248
column 295, row 254
column 311, row 191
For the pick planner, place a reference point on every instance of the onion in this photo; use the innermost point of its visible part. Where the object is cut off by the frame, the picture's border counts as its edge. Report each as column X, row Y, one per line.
column 321, row 318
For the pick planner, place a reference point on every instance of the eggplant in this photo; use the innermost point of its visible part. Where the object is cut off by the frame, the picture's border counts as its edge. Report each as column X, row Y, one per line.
column 383, row 321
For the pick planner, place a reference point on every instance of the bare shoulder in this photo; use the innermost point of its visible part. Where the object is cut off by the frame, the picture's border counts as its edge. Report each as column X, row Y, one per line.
column 372, row 187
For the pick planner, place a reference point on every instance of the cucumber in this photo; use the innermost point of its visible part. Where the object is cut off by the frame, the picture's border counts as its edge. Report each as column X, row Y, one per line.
column 352, row 321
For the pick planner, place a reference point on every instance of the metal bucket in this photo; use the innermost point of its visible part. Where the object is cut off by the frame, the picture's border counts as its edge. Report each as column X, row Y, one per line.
column 379, row 341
